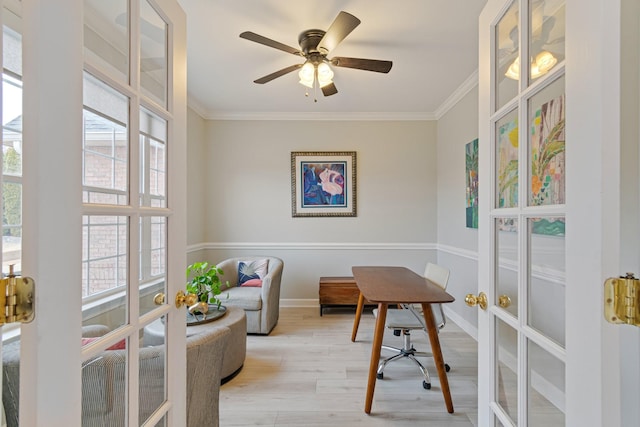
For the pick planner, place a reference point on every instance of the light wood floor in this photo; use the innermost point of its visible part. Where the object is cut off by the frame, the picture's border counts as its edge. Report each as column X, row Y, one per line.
column 307, row 372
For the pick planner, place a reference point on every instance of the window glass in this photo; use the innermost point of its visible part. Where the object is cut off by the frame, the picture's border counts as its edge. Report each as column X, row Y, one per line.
column 547, row 290
column 153, row 162
column 507, row 48
column 105, row 144
column 152, row 254
column 506, row 242
column 11, row 174
column 104, row 253
column 546, row 36
column 153, row 54
column 546, row 392
column 507, row 161
column 106, row 35
column 506, row 369
column 547, row 146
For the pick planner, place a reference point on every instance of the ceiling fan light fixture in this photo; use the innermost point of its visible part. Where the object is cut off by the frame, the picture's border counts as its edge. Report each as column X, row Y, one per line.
column 543, row 62
column 325, row 74
column 307, row 74
column 513, row 72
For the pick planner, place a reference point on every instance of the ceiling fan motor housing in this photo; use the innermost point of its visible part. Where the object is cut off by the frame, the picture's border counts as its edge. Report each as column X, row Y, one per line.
column 309, row 40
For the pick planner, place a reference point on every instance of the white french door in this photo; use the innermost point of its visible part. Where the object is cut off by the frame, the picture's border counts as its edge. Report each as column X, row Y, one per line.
column 103, row 209
column 546, row 354
column 522, row 262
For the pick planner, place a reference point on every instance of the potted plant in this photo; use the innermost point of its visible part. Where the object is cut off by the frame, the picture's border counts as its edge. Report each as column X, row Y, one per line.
column 204, row 282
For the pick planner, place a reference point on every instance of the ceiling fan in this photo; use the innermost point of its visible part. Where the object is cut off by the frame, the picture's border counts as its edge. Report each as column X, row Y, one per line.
column 315, row 45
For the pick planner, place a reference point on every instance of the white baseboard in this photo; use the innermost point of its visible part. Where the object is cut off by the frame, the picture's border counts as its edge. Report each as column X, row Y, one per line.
column 452, row 316
column 296, row 303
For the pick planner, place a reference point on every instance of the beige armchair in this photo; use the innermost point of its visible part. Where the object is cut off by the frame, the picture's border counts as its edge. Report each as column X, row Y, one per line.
column 261, row 304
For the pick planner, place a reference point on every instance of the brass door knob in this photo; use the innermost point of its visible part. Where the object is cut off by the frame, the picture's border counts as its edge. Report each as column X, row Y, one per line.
column 185, row 299
column 480, row 300
column 504, row 301
column 158, row 299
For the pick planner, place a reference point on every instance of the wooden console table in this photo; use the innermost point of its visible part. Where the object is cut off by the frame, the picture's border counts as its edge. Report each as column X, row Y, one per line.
column 338, row 291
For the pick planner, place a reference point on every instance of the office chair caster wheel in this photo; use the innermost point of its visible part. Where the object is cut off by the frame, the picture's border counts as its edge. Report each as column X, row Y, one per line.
column 380, row 375
column 426, row 385
column 447, row 367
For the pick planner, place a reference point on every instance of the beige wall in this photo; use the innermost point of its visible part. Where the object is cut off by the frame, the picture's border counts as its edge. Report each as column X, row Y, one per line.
column 246, row 183
column 457, row 244
column 196, row 178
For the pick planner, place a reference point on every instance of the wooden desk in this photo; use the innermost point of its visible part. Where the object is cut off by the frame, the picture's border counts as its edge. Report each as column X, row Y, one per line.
column 395, row 285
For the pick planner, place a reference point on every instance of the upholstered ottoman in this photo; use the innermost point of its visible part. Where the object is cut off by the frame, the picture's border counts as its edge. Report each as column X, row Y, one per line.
column 235, row 351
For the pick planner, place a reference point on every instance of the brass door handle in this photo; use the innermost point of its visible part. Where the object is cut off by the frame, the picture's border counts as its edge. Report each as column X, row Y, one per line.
column 185, row 299
column 504, row 301
column 480, row 300
column 158, row 299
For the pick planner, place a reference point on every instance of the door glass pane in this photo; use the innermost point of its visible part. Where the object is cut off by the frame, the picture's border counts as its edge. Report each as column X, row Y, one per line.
column 507, row 265
column 153, row 54
column 507, row 48
column 151, row 378
column 506, row 369
column 546, row 37
column 507, row 161
column 547, row 277
column 11, row 200
column 11, row 146
column 153, row 244
column 546, row 391
column 104, row 270
column 162, row 422
column 11, row 174
column 104, row 388
column 547, row 146
column 153, row 160
column 105, row 144
column 106, row 35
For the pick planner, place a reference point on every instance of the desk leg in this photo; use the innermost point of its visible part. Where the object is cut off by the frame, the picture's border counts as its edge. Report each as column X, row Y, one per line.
column 356, row 321
column 437, row 355
column 375, row 354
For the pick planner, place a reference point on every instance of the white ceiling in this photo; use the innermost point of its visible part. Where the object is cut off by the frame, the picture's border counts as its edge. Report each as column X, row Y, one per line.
column 432, row 43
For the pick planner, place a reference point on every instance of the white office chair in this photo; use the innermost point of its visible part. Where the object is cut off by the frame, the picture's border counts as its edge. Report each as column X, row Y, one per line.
column 408, row 318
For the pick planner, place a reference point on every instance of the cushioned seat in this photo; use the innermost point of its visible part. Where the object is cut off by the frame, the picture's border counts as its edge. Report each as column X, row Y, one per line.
column 256, row 289
column 246, row 298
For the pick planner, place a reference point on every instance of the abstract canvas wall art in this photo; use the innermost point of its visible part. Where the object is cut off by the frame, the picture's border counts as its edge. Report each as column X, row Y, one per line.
column 471, row 168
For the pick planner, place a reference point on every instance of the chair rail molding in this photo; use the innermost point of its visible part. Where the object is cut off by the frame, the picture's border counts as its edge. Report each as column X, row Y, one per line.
column 312, row 246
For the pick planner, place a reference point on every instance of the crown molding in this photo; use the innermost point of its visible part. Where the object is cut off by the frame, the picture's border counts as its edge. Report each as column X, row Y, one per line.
column 321, row 116
column 469, row 84
column 457, row 95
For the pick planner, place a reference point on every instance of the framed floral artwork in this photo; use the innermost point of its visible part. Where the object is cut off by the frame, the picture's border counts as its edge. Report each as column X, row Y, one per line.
column 323, row 184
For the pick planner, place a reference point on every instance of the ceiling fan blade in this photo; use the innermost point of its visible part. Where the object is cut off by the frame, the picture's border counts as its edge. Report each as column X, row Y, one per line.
column 362, row 64
column 339, row 29
column 329, row 89
column 248, row 35
column 279, row 73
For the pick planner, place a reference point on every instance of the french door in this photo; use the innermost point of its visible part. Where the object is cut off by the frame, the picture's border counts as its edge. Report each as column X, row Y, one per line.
column 522, row 236
column 547, row 356
column 102, row 146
